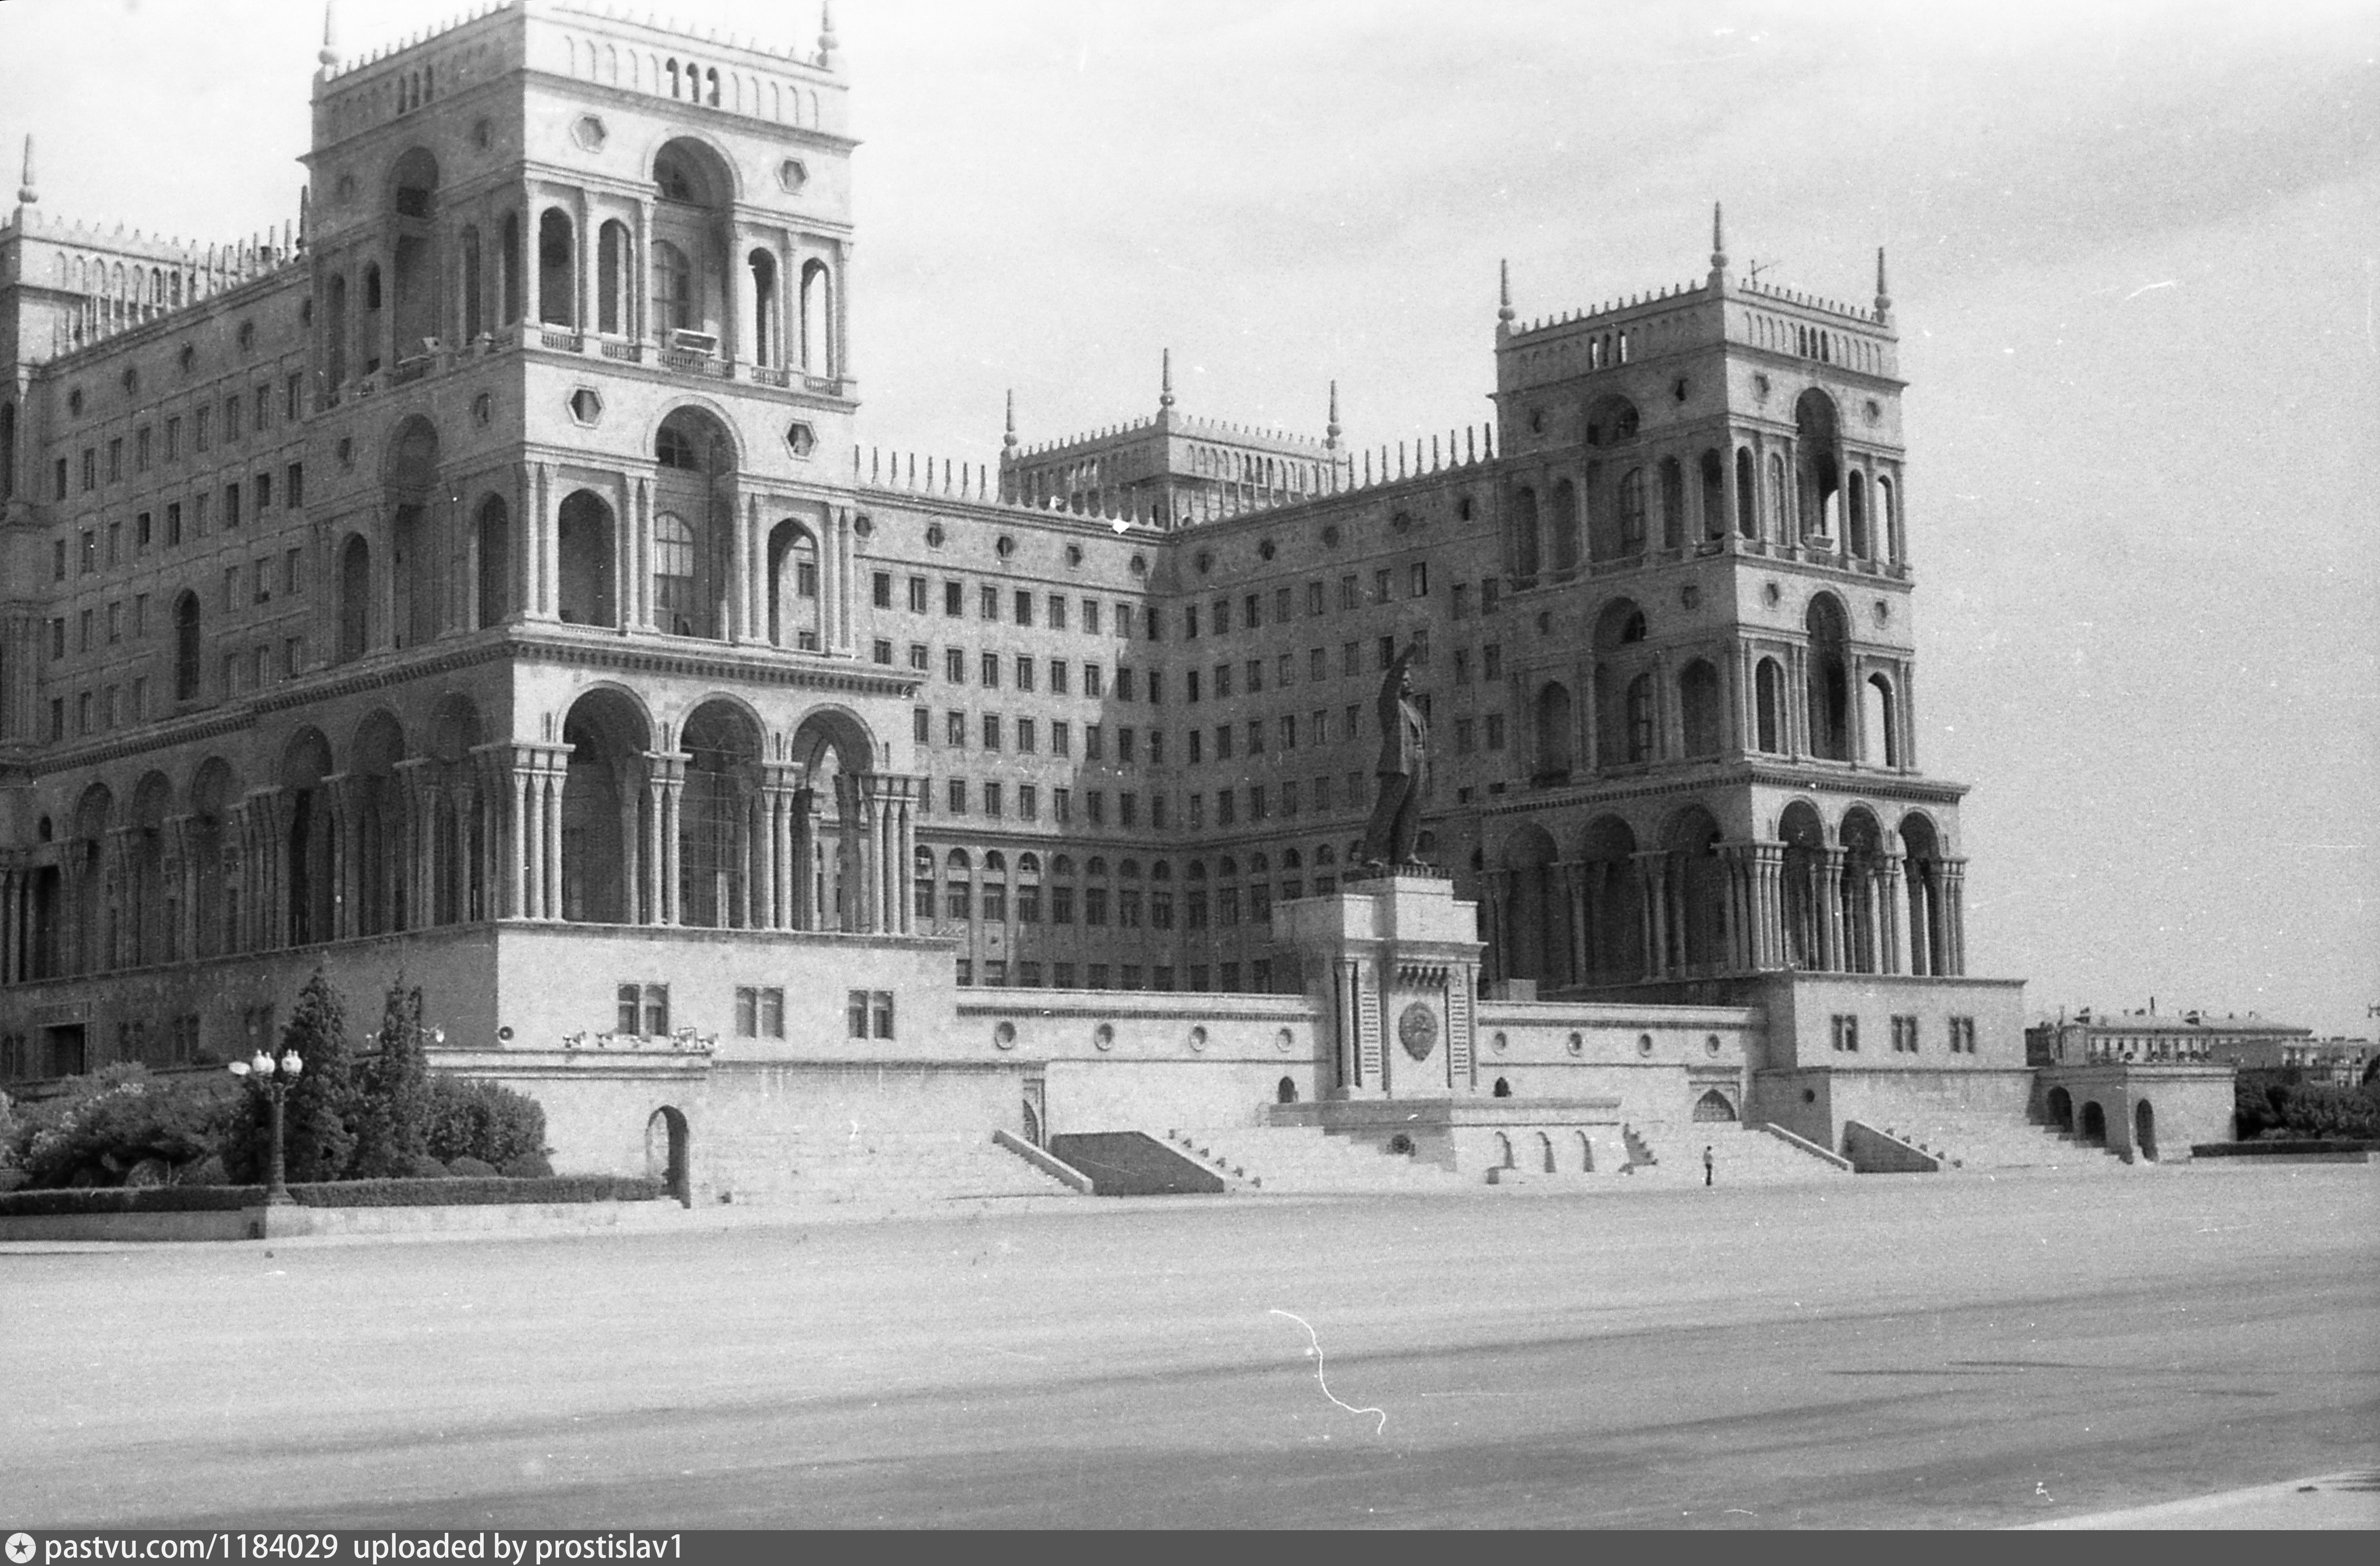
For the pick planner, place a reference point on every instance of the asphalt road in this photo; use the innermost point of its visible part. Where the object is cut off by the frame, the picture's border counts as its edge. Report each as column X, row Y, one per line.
column 1891, row 1350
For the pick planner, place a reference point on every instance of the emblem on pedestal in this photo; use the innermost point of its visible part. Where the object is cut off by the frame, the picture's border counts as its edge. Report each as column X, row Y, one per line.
column 1417, row 1030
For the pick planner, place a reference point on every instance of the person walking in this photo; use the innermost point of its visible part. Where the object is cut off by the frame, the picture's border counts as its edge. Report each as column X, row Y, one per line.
column 1709, row 1166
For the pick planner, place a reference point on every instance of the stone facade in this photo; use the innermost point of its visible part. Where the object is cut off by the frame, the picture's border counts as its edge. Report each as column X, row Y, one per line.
column 482, row 578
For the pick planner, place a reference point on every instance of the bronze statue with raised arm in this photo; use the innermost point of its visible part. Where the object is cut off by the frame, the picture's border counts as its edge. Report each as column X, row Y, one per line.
column 1395, row 826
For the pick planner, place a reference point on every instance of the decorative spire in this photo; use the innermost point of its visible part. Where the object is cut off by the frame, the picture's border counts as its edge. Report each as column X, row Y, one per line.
column 1883, row 294
column 1009, row 439
column 1165, row 390
column 1503, row 300
column 328, row 56
column 826, row 35
column 305, row 216
column 1719, row 248
column 28, row 193
column 1330, row 431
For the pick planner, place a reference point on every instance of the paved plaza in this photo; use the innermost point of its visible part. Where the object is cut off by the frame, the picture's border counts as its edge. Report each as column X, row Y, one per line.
column 1936, row 1350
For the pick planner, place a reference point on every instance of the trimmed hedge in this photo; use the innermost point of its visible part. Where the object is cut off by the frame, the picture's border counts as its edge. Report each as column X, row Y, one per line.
column 2279, row 1148
column 449, row 1192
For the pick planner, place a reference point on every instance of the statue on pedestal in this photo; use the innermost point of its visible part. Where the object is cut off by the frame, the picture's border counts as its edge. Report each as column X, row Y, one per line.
column 1395, row 827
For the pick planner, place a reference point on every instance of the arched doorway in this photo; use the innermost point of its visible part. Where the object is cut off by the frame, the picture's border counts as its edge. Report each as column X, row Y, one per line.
column 794, row 599
column 605, row 812
column 1694, row 919
column 2095, row 1124
column 457, row 836
column 1921, row 848
column 378, row 832
column 2060, row 1108
column 1817, row 466
column 585, row 539
column 1806, row 848
column 1285, row 1091
column 667, row 1156
column 1713, row 1108
column 1615, row 904
column 1831, row 689
column 694, row 526
column 2144, row 1131
column 832, row 851
column 310, row 894
column 722, row 743
column 1537, row 920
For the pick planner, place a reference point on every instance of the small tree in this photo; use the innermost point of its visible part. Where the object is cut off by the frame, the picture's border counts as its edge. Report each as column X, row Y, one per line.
column 323, row 1105
column 391, row 1134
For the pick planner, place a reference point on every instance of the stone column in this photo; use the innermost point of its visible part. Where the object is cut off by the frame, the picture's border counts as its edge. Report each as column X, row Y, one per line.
column 1574, row 873
column 802, row 846
column 665, row 786
column 520, row 841
column 1892, row 948
column 1830, row 911
column 1500, row 924
column 1954, row 918
column 417, row 780
column 11, row 926
column 555, row 768
column 1653, row 885
column 1920, row 919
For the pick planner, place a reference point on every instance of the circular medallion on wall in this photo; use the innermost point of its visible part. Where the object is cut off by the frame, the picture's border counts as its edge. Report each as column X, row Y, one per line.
column 1285, row 1041
column 1005, row 547
column 1205, row 561
column 590, row 133
column 1577, row 1044
column 1004, row 1036
column 1874, row 410
column 1197, row 1038
column 1331, row 535
column 1883, row 612
column 1140, row 566
column 1074, row 555
column 483, row 410
column 1417, row 1030
column 1267, row 549
column 1710, row 1045
column 934, row 535
column 862, row 525
column 1772, row 594
column 1103, row 1037
column 1644, row 1043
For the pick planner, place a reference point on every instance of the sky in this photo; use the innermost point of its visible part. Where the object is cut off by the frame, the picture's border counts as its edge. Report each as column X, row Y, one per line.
column 2135, row 261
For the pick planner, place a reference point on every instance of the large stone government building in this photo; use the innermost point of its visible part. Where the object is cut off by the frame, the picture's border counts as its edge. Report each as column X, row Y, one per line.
column 482, row 578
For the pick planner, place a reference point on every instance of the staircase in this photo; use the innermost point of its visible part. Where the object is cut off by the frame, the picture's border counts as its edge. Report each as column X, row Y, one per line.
column 892, row 1169
column 1963, row 1140
column 1303, row 1160
column 1740, row 1155
column 1131, row 1163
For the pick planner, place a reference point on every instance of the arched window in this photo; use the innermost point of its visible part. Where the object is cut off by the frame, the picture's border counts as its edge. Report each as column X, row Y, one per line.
column 821, row 353
column 474, row 303
column 674, row 598
column 1887, row 522
column 612, row 278
column 1673, row 503
column 1699, row 709
column 1769, row 694
column 1831, row 692
column 1639, row 718
column 189, row 647
column 1553, row 716
column 1818, row 457
column 1631, row 503
column 1855, row 517
column 558, row 272
column 1777, row 492
column 1880, row 741
column 766, row 348
column 1525, row 536
column 355, row 599
column 1564, row 522
column 1747, row 509
column 495, row 540
column 335, row 334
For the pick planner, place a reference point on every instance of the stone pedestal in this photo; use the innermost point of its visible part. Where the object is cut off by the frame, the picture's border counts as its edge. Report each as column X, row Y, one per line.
column 1391, row 965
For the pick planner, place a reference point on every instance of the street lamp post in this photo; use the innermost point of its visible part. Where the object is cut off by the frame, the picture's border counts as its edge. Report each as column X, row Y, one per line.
column 274, row 1074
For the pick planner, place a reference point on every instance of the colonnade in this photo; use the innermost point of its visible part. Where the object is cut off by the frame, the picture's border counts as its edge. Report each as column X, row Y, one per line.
column 1756, row 912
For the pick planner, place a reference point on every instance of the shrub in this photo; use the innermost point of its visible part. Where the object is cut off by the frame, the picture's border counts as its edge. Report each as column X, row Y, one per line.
column 482, row 1120
column 336, row 1194
column 123, row 1121
column 470, row 1168
column 392, row 1122
column 529, row 1166
column 2316, row 1108
column 424, row 1168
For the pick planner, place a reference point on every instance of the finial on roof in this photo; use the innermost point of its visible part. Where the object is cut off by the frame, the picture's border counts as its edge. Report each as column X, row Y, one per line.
column 826, row 35
column 1719, row 248
column 28, row 193
column 1883, row 294
column 1503, row 300
column 1009, row 439
column 1331, row 430
column 1165, row 388
column 328, row 56
column 305, row 217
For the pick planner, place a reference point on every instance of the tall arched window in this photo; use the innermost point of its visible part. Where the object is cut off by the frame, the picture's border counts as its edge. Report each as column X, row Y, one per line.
column 1563, row 520
column 1630, row 506
column 1887, row 522
column 1639, row 718
column 1700, row 710
column 1855, row 516
column 189, row 647
column 674, row 598
column 1747, row 507
column 612, row 278
column 1714, row 495
column 1673, row 503
column 1525, row 536
column 1553, row 732
column 474, row 304
column 1880, row 742
column 355, row 599
column 766, row 348
column 496, row 538
column 1768, row 684
column 1830, row 693
column 558, row 270
column 819, row 356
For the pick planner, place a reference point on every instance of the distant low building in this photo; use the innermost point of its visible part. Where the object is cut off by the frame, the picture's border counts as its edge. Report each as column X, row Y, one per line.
column 2092, row 1038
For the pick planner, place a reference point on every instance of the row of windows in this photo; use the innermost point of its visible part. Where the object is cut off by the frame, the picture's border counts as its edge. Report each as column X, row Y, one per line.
column 993, row 800
column 643, row 1011
column 145, row 444
column 1906, row 1036
column 251, row 584
column 105, row 549
column 996, row 731
column 105, row 708
column 996, row 973
column 965, row 902
column 1022, row 607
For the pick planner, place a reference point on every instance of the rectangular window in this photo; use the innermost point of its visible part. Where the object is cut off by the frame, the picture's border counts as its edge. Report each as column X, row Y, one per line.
column 1092, row 682
column 1124, row 684
column 954, row 665
column 231, row 505
column 989, row 667
column 1123, row 622
column 657, row 1011
column 231, row 418
column 954, row 730
column 1417, row 580
column 1091, row 617
column 855, row 1013
column 200, row 419
column 992, row 731
column 1094, row 807
column 1846, row 1034
column 1255, row 736
column 1962, row 1036
column 1024, row 672
column 1095, row 747
column 294, row 485
column 292, row 389
column 1024, row 607
column 114, row 623
column 883, row 589
column 1061, row 736
column 1226, row 803
column 917, row 595
column 1222, row 742
column 1058, row 667
column 958, row 797
column 882, row 651
column 1905, row 1035
column 1094, row 905
column 921, row 726
column 1490, row 596
column 1028, row 802
column 1061, row 806
column 1252, row 612
column 1491, row 663
column 262, row 589
column 140, row 449
column 263, row 487
column 115, row 460
column 1347, row 656
column 90, row 550
column 173, row 524
column 988, row 602
column 954, row 600
column 1255, row 676
column 173, row 439
column 1494, row 731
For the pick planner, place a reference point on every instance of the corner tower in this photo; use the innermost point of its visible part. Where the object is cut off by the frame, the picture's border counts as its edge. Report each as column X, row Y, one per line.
column 1704, row 521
